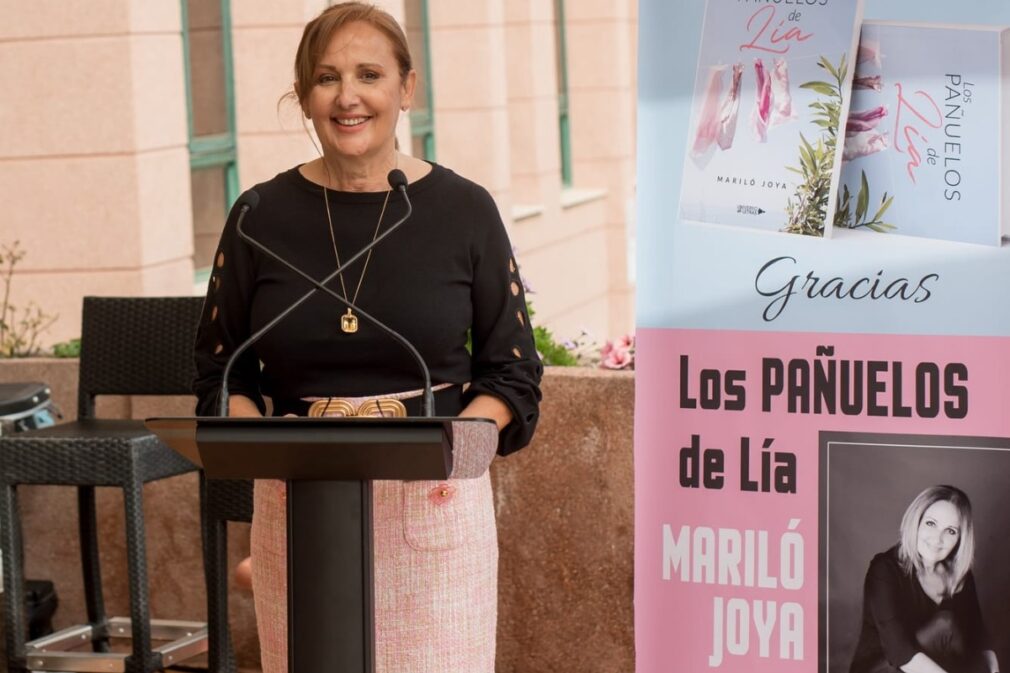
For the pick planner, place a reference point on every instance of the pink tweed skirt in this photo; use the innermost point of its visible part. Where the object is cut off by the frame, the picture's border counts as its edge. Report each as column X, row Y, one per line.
column 436, row 575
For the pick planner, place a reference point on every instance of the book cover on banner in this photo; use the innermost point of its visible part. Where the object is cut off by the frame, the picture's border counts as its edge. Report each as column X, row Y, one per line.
column 773, row 81
column 924, row 150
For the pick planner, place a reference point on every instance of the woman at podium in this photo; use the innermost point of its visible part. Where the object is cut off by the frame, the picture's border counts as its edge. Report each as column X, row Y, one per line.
column 446, row 280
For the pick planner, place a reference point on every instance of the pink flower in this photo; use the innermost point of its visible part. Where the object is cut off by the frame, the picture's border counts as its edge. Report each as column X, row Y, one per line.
column 865, row 120
column 873, row 82
column 618, row 354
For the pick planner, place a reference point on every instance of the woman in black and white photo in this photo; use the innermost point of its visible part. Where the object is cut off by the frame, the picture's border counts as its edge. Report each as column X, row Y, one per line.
column 920, row 607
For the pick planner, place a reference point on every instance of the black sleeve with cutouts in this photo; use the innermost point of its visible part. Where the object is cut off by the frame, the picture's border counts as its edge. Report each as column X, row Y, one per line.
column 224, row 325
column 505, row 361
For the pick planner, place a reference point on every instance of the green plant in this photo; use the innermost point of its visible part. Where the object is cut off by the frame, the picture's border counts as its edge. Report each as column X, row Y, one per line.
column 19, row 330
column 807, row 208
column 844, row 217
column 67, row 349
column 551, row 352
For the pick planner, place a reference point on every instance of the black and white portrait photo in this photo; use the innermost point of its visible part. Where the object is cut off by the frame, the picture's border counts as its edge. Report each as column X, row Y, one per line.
column 914, row 554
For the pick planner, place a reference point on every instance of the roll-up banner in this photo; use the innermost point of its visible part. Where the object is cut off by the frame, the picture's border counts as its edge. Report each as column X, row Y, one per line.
column 822, row 436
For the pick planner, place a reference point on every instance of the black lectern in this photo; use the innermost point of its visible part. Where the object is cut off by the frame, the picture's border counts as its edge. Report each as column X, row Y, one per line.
column 329, row 464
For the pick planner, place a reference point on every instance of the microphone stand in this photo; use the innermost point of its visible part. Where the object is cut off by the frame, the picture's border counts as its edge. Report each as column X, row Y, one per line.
column 428, row 399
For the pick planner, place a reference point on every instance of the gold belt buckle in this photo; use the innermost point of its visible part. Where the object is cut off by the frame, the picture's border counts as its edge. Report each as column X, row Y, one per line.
column 383, row 407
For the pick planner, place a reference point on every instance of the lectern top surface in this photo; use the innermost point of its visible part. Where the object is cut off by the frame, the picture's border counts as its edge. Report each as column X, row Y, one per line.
column 333, row 448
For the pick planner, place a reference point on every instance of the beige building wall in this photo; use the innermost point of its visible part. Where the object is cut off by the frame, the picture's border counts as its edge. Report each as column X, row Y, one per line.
column 94, row 164
column 602, row 103
column 467, row 42
column 497, row 119
column 94, row 168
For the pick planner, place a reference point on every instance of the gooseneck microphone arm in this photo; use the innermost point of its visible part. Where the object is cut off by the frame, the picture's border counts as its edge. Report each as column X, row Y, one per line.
column 398, row 181
column 247, row 203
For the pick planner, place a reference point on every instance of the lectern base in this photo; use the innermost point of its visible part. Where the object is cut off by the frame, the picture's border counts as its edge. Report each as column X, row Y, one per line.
column 330, row 590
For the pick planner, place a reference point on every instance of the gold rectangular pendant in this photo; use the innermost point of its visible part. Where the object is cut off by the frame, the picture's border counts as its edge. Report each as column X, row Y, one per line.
column 348, row 323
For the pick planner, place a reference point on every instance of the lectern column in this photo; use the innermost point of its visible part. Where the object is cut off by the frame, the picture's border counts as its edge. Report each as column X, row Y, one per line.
column 331, row 623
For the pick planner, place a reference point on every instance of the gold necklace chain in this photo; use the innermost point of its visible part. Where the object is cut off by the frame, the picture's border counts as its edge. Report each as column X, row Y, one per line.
column 349, row 321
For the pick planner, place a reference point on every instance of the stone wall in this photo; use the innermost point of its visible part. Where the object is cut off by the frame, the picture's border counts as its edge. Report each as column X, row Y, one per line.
column 565, row 520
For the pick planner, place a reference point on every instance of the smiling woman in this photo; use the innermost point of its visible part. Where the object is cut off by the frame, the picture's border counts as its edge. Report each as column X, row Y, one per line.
column 355, row 92
column 447, row 275
column 920, row 606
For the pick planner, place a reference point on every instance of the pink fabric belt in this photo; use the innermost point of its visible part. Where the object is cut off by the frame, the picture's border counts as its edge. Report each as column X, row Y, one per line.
column 406, row 395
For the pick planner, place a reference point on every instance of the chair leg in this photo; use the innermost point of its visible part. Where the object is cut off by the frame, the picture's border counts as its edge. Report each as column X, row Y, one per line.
column 15, row 625
column 142, row 659
column 91, row 566
column 220, row 656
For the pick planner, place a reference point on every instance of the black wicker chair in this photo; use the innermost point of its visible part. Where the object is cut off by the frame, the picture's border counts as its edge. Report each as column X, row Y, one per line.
column 130, row 346
column 223, row 500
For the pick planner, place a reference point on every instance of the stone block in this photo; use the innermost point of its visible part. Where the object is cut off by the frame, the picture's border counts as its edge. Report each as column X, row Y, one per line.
column 132, row 98
column 598, row 109
column 264, row 72
column 262, row 156
column 469, row 68
column 465, row 13
column 590, row 66
column 565, row 511
column 63, row 18
column 475, row 144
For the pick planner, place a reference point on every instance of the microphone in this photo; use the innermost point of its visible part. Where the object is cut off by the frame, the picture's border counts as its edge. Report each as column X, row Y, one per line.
column 249, row 200
column 397, row 180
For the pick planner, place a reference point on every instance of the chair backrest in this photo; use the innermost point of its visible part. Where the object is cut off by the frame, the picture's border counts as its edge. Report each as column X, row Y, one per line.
column 136, row 346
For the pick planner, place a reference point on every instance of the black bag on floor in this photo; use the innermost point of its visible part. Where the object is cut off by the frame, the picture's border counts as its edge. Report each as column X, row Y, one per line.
column 40, row 598
column 26, row 406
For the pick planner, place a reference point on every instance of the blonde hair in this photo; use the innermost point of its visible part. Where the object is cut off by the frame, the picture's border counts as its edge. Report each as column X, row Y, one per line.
column 959, row 561
column 318, row 32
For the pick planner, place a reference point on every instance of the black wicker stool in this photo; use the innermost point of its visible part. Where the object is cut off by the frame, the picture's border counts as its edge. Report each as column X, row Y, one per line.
column 129, row 346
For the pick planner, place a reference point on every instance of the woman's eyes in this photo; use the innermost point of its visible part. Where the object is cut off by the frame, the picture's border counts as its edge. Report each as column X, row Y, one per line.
column 366, row 76
column 949, row 531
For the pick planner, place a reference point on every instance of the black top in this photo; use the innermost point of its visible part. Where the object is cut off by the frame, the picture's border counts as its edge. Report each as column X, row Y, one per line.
column 448, row 269
column 895, row 607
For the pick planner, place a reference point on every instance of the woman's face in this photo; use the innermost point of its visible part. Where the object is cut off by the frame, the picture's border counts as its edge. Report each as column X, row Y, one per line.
column 939, row 532
column 357, row 94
